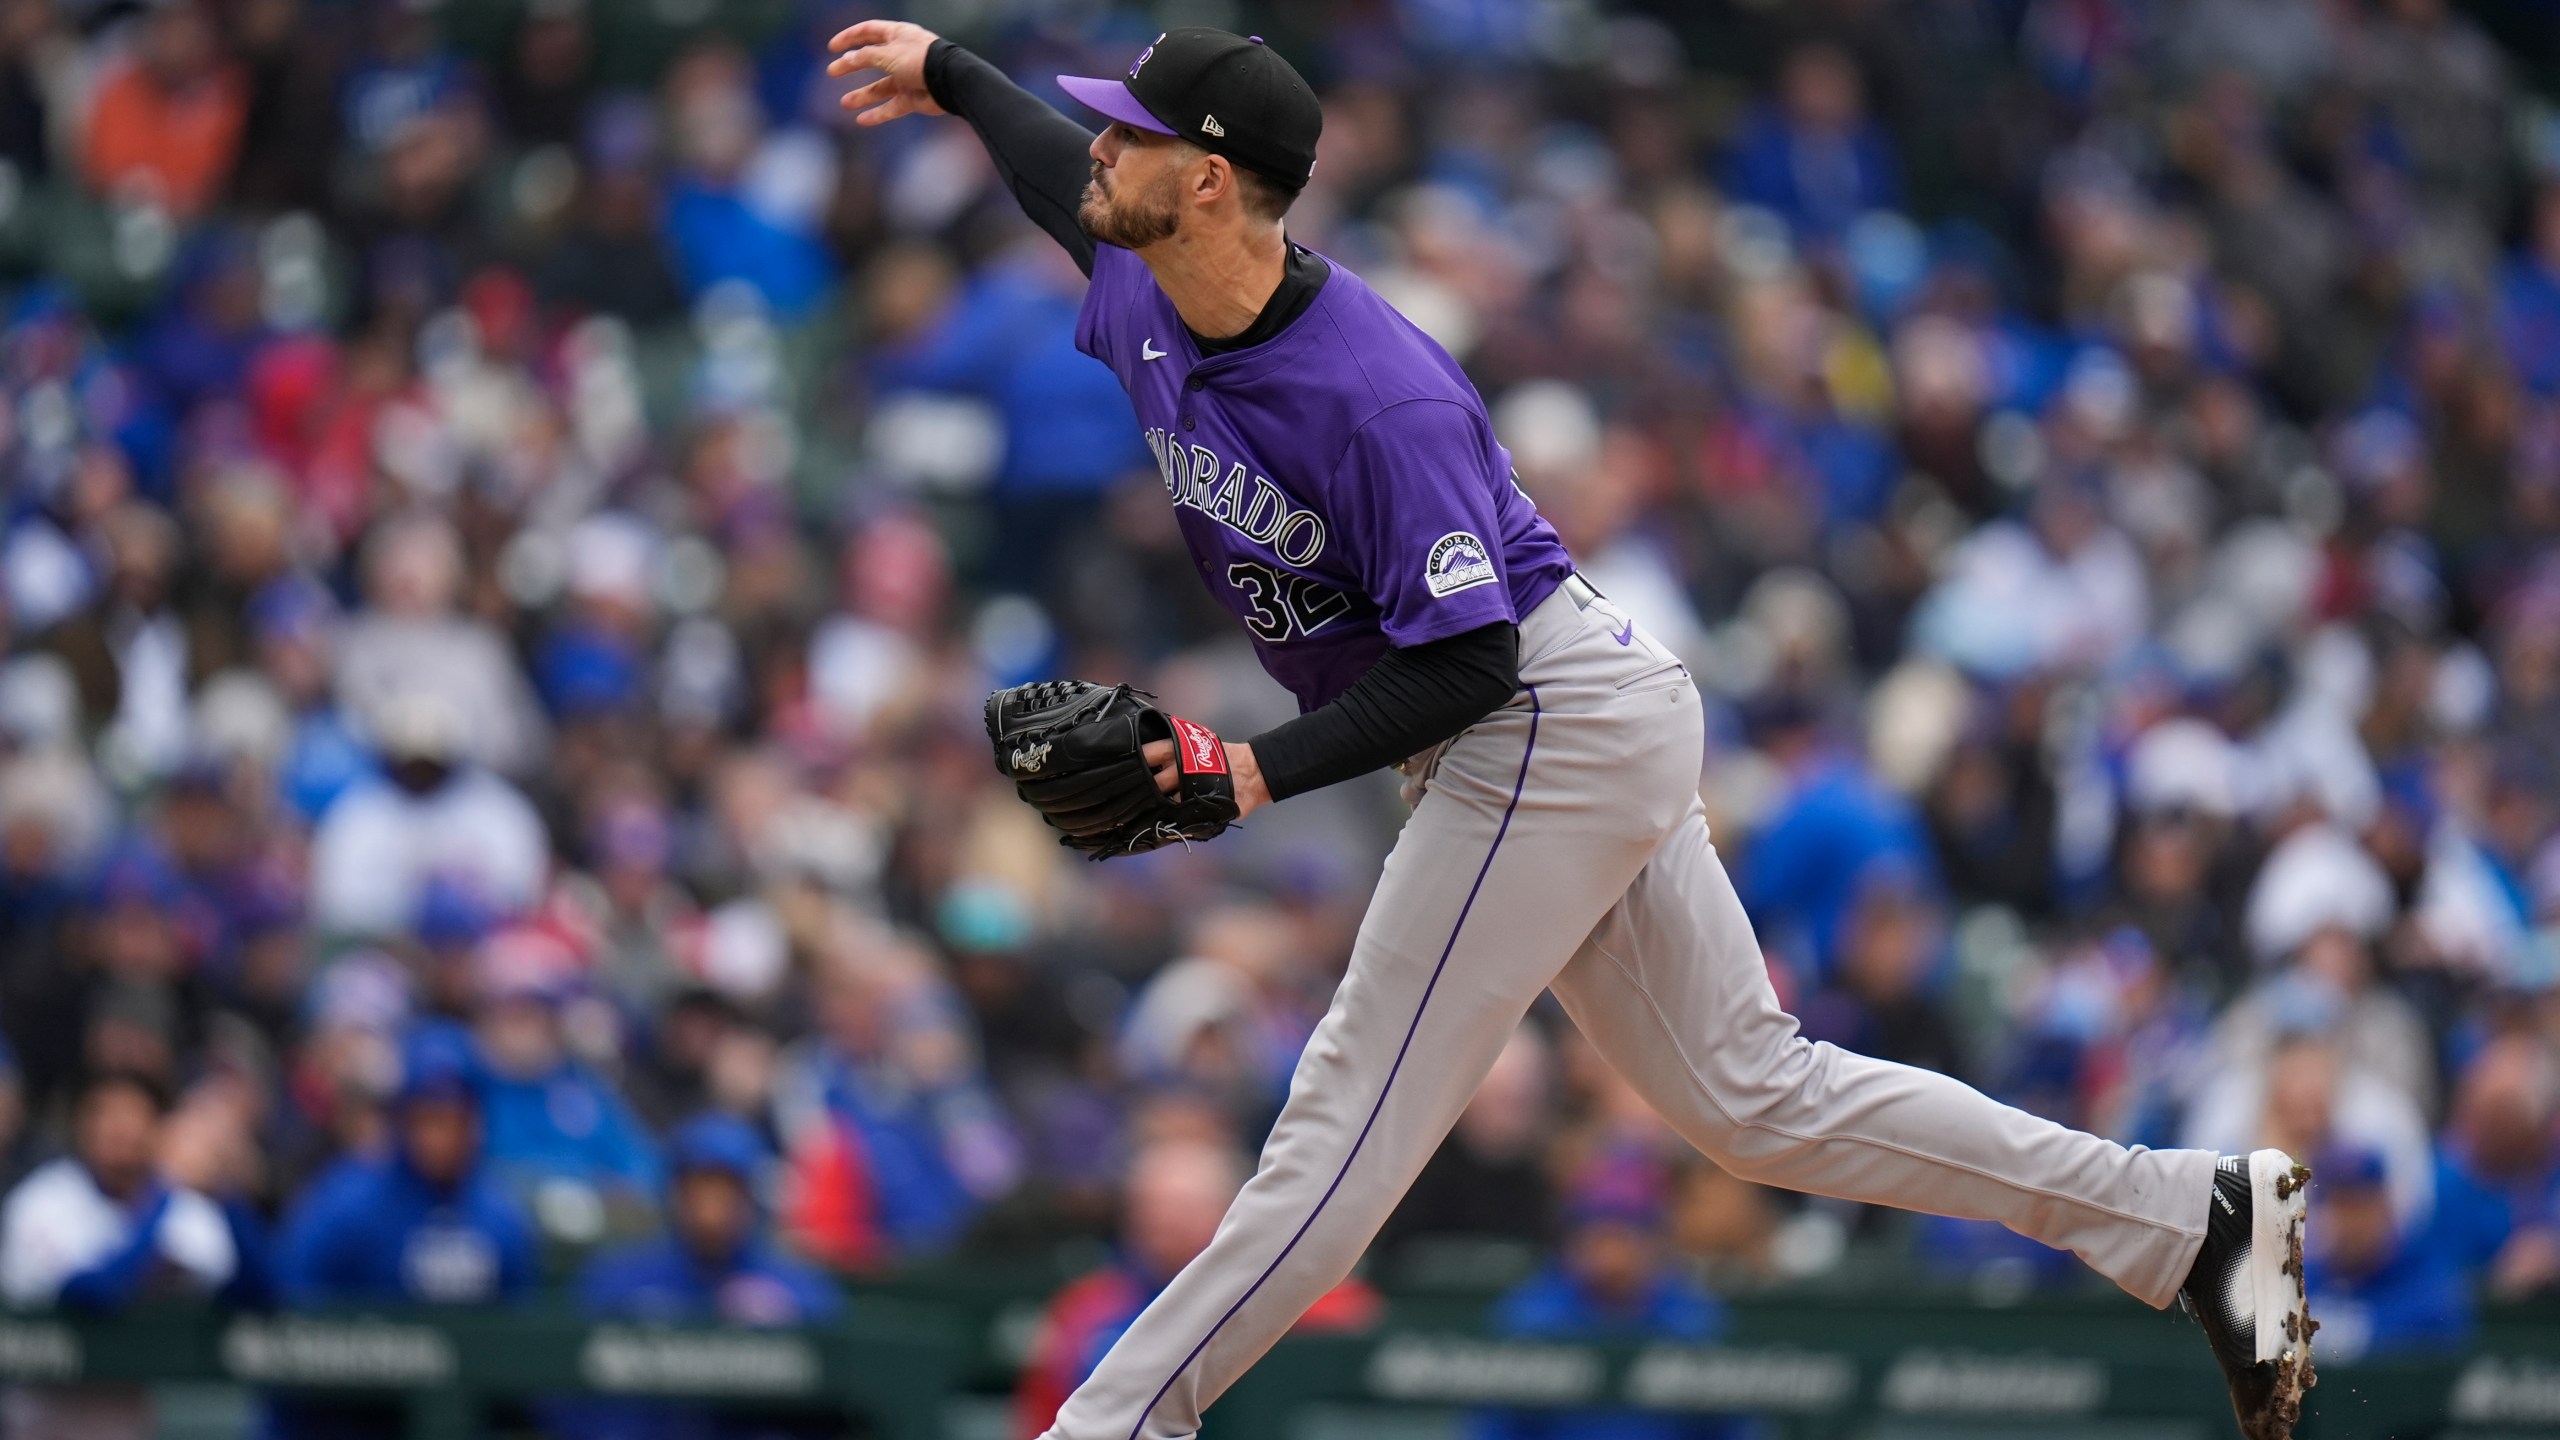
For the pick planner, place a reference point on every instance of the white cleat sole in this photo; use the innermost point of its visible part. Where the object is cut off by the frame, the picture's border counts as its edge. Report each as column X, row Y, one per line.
column 2276, row 1188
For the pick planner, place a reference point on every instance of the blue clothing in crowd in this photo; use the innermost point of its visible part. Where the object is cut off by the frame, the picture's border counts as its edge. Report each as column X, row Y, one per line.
column 1554, row 1304
column 2475, row 1215
column 374, row 1229
column 2415, row 1301
column 659, row 1282
column 716, row 235
column 570, row 1124
column 2529, row 323
column 658, row 1279
column 1817, row 183
column 905, row 1146
column 1803, row 872
column 1010, row 340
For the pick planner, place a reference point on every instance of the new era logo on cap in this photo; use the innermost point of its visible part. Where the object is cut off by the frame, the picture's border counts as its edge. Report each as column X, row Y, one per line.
column 1210, row 125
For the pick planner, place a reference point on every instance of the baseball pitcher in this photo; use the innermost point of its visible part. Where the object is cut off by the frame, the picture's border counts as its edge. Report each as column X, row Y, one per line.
column 1342, row 492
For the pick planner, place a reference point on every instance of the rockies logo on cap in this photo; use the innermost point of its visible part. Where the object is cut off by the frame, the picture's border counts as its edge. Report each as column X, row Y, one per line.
column 1254, row 108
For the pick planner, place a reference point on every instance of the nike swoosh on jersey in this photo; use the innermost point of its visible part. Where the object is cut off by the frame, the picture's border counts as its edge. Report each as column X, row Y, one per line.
column 1147, row 350
column 1626, row 635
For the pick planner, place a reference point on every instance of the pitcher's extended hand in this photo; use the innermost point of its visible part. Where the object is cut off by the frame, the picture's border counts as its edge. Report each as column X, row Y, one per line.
column 896, row 49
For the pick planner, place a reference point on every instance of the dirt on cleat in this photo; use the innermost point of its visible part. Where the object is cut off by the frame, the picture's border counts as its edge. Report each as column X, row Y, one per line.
column 2284, row 1405
column 2287, row 1184
column 2293, row 1370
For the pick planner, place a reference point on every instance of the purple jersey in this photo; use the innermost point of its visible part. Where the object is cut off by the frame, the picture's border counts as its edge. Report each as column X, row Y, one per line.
column 1338, row 484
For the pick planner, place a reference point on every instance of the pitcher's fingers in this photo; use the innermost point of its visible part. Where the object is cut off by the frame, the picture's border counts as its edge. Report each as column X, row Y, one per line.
column 861, row 32
column 878, row 92
column 854, row 62
column 891, row 109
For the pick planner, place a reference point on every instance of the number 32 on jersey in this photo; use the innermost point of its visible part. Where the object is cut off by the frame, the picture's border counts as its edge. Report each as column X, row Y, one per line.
column 1279, row 605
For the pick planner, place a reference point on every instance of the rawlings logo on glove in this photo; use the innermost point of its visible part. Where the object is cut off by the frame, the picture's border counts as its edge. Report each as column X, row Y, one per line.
column 1202, row 754
column 1076, row 753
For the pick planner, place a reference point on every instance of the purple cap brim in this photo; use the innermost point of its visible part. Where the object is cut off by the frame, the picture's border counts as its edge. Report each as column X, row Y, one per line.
column 1112, row 98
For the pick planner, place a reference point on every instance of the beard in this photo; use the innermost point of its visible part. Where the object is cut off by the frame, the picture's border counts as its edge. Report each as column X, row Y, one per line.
column 1134, row 221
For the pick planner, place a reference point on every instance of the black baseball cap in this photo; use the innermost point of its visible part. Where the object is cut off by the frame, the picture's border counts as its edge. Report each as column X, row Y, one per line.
column 1229, row 94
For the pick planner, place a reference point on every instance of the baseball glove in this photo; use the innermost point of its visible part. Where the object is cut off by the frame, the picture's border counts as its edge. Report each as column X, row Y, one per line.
column 1076, row 753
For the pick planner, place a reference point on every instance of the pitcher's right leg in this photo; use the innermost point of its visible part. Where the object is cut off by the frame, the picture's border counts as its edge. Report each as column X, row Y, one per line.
column 1672, row 990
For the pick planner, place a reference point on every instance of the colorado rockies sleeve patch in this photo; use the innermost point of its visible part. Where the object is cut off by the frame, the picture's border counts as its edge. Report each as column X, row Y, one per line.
column 1459, row 561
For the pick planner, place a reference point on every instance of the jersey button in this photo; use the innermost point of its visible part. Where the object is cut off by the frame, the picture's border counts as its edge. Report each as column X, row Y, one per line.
column 1199, row 384
column 1189, row 423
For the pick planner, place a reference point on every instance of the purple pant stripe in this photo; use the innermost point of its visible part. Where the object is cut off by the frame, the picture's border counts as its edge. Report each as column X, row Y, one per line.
column 1517, row 785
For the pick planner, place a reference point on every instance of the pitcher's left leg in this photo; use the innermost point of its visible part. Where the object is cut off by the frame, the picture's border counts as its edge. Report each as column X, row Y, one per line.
column 1672, row 989
column 1497, row 877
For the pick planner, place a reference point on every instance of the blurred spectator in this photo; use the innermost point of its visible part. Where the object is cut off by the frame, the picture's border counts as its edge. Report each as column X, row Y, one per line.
column 433, row 814
column 558, row 1136
column 130, row 653
column 743, row 205
column 100, row 1229
column 1835, row 830
column 543, row 89
column 1225, row 1020
column 675, row 1073
column 895, row 1141
column 209, row 1145
column 165, row 125
column 2529, row 299
column 2304, row 1099
column 2498, row 1168
column 637, row 917
column 292, row 623
column 419, row 1224
column 29, row 46
column 1813, row 156
column 1177, row 1191
column 1992, row 809
column 713, row 1266
column 422, row 1223
column 610, row 259
column 1612, row 1280
column 2378, row 1288
column 2120, row 1036
column 410, row 639
column 1008, row 338
column 1878, row 1002
column 2331, row 987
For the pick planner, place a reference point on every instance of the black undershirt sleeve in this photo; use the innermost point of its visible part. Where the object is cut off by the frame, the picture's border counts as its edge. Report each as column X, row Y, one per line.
column 1039, row 153
column 1411, row 700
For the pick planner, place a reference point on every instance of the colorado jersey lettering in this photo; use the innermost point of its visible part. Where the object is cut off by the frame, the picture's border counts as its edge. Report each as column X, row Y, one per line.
column 1338, row 485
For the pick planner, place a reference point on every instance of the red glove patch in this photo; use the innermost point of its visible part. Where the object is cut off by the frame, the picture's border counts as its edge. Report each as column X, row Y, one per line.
column 1201, row 751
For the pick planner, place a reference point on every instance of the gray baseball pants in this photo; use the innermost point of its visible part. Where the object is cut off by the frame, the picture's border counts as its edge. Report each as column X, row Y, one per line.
column 1559, row 844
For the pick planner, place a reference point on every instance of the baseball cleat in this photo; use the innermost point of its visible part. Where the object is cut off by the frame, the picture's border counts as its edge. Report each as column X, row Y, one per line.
column 2246, row 1289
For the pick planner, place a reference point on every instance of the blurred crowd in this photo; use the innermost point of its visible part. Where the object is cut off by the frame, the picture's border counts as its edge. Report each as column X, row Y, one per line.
column 508, row 510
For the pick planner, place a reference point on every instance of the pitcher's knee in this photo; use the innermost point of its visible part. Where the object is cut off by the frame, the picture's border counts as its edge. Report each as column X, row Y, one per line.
column 1764, row 1081
column 1743, row 1113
